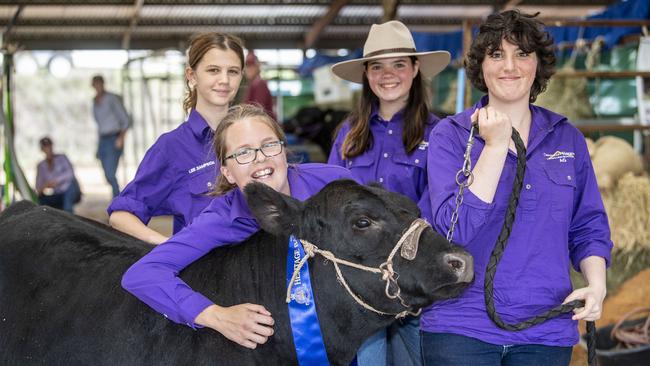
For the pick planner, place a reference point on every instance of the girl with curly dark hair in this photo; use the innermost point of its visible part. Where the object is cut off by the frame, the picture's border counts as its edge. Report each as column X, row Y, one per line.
column 560, row 219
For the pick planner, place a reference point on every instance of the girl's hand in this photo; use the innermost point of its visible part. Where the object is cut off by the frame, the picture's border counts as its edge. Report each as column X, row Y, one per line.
column 593, row 297
column 245, row 324
column 494, row 126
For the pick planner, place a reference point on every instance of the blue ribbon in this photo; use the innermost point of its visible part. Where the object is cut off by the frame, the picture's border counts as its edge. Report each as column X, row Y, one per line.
column 305, row 327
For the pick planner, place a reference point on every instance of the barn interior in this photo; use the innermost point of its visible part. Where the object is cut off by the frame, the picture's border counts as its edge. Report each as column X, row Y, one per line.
column 52, row 48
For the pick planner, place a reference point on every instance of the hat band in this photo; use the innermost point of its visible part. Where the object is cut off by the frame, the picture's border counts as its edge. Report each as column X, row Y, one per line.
column 389, row 50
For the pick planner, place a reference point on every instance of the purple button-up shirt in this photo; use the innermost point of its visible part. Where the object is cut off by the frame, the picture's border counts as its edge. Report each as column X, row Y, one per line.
column 227, row 219
column 560, row 220
column 386, row 161
column 174, row 177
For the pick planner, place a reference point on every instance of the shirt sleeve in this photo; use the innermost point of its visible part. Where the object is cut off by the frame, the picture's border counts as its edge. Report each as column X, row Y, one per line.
column 120, row 112
column 445, row 158
column 589, row 233
column 154, row 278
column 67, row 173
column 147, row 194
column 335, row 154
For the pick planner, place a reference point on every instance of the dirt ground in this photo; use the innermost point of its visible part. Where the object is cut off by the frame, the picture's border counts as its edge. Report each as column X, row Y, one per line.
column 93, row 206
column 634, row 293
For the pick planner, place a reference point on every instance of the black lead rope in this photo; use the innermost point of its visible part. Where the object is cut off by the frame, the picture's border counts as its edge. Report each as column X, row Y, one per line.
column 498, row 251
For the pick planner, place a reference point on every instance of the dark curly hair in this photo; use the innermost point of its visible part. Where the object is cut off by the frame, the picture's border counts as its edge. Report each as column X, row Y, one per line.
column 517, row 28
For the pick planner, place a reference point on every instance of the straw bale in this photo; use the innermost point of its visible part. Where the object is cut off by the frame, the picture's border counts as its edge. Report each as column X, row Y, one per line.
column 612, row 158
column 628, row 211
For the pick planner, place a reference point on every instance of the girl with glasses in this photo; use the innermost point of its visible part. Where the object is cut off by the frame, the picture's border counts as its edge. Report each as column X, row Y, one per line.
column 250, row 147
column 179, row 169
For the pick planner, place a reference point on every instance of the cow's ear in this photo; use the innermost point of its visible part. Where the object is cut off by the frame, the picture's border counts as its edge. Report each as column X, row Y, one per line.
column 275, row 212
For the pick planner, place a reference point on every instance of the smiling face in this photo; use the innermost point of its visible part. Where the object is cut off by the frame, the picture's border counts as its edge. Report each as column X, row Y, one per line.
column 509, row 73
column 216, row 78
column 254, row 133
column 391, row 78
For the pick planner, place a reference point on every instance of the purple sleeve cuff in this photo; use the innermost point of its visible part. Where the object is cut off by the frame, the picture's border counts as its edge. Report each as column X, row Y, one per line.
column 595, row 249
column 470, row 199
column 128, row 204
column 192, row 306
column 472, row 215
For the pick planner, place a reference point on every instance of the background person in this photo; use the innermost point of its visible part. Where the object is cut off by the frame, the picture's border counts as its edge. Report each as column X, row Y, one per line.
column 180, row 168
column 56, row 184
column 384, row 140
column 257, row 91
column 112, row 123
column 560, row 219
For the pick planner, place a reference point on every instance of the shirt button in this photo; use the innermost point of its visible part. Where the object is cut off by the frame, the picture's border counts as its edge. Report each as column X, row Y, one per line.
column 528, row 186
column 381, row 180
column 390, row 132
column 417, row 161
column 385, row 155
column 165, row 315
column 349, row 163
column 568, row 177
column 209, row 184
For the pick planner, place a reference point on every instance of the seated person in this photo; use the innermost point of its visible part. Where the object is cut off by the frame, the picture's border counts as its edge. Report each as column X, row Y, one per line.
column 56, row 184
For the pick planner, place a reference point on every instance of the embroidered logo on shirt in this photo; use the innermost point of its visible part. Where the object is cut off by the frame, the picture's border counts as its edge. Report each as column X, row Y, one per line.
column 199, row 167
column 560, row 155
column 423, row 145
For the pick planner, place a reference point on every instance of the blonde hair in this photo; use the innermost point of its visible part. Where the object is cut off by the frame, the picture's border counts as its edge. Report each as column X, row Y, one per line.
column 200, row 44
column 236, row 114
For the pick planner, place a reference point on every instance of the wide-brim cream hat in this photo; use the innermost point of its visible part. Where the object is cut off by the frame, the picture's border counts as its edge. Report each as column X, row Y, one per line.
column 391, row 39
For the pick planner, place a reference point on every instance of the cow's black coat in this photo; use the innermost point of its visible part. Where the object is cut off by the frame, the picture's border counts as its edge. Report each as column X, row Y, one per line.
column 61, row 302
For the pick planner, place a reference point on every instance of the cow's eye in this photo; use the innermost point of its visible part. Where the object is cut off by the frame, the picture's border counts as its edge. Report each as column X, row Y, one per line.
column 362, row 223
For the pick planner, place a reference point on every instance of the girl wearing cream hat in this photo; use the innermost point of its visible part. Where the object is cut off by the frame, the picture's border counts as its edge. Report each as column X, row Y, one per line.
column 384, row 140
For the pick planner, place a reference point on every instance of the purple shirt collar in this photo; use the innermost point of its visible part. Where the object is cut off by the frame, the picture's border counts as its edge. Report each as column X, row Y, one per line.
column 375, row 117
column 199, row 126
column 543, row 119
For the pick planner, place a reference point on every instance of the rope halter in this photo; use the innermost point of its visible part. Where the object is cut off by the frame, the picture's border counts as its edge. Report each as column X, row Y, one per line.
column 408, row 243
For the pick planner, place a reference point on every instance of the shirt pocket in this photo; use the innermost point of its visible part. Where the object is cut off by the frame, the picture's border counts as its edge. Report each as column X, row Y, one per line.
column 417, row 160
column 201, row 184
column 562, row 188
column 360, row 162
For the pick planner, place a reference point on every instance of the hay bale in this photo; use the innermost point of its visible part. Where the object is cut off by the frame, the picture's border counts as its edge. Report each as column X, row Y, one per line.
column 628, row 211
column 612, row 158
column 567, row 96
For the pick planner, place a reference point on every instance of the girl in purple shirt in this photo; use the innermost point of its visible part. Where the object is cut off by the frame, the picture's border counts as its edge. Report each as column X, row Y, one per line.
column 560, row 219
column 384, row 140
column 250, row 147
column 180, row 168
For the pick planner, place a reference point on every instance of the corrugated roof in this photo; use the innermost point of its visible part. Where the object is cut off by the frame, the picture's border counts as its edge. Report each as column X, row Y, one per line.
column 89, row 24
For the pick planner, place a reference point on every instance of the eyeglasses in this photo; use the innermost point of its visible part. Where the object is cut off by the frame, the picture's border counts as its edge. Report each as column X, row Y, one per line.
column 247, row 155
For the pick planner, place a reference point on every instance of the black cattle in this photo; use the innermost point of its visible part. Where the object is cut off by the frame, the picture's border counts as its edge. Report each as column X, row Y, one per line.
column 61, row 302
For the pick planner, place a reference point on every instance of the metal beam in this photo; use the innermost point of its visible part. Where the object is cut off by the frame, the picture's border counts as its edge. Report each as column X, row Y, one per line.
column 7, row 32
column 317, row 28
column 126, row 40
column 390, row 10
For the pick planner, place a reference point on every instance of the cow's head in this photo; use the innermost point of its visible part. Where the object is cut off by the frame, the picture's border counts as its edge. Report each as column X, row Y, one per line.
column 362, row 224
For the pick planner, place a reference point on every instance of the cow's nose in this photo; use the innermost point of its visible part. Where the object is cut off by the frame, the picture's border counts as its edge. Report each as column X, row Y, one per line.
column 462, row 264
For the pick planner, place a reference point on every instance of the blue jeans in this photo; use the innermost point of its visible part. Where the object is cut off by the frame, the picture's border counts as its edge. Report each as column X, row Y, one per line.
column 63, row 201
column 456, row 350
column 396, row 345
column 109, row 156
